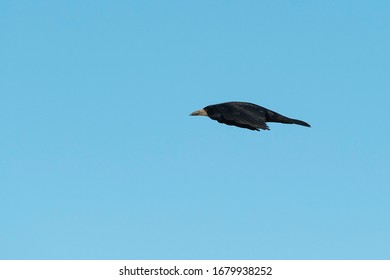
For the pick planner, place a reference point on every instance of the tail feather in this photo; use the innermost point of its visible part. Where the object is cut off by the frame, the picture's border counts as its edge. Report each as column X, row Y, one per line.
column 300, row 122
column 275, row 117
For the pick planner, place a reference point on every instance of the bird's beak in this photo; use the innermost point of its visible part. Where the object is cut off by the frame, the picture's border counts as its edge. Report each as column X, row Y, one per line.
column 200, row 112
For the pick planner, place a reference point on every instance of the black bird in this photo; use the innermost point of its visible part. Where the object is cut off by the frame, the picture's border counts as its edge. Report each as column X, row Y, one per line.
column 245, row 115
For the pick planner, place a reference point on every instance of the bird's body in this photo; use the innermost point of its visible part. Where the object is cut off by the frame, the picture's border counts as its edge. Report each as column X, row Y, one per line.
column 244, row 115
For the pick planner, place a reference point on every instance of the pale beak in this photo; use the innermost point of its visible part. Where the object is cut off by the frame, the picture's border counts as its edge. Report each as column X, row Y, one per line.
column 200, row 112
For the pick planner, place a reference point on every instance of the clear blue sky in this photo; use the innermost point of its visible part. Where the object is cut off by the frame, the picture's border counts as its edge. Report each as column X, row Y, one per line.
column 99, row 158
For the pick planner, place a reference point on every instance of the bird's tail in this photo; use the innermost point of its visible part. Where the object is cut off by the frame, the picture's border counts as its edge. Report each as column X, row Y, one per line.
column 299, row 122
column 275, row 117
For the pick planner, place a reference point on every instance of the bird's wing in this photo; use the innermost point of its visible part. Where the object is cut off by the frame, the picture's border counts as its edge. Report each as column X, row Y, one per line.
column 246, row 118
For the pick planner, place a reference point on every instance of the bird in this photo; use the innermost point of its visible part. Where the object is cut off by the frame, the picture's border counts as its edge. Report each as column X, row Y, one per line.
column 245, row 115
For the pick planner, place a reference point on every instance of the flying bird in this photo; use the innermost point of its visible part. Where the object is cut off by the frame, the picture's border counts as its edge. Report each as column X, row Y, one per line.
column 245, row 115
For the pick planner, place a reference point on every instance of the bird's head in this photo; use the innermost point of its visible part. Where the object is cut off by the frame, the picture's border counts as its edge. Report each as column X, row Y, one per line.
column 201, row 112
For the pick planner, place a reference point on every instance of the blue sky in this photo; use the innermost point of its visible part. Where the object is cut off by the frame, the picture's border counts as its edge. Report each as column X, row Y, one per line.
column 99, row 158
